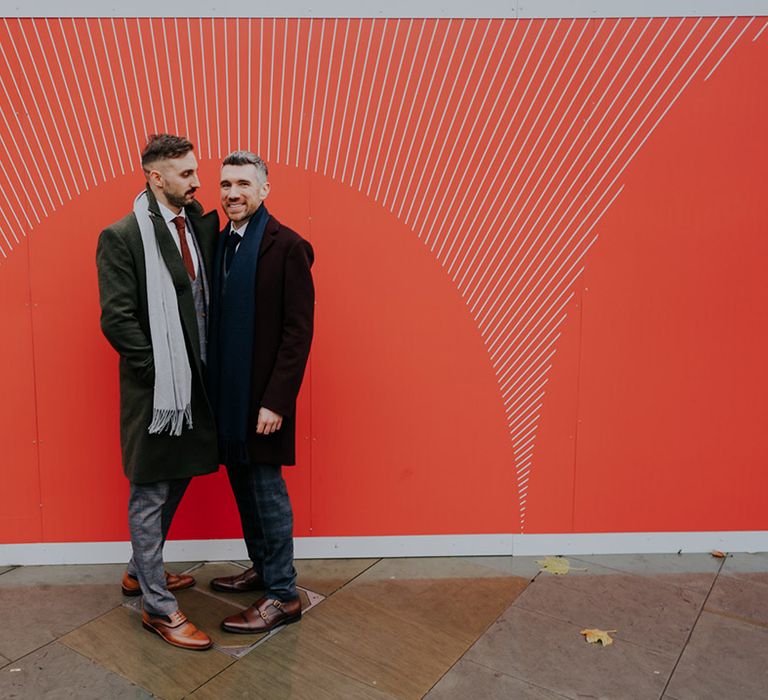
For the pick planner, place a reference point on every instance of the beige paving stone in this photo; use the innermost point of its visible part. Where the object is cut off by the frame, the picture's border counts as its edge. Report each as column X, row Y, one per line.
column 207, row 613
column 370, row 643
column 211, row 570
column 550, row 653
column 323, row 576
column 654, row 564
column 658, row 617
column 724, row 660
column 759, row 577
column 55, row 671
column 435, row 568
column 470, row 680
column 326, row 576
column 33, row 615
column 525, row 567
column 69, row 575
column 73, row 575
column 457, row 597
column 744, row 563
column 696, row 572
column 740, row 596
column 119, row 643
column 286, row 667
column 179, row 566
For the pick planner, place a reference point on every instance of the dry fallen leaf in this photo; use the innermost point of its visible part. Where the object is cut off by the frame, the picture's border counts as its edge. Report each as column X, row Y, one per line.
column 718, row 554
column 556, row 565
column 594, row 636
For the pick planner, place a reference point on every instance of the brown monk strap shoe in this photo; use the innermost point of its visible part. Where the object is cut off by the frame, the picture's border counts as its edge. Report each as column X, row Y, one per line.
column 175, row 582
column 264, row 615
column 249, row 580
column 177, row 630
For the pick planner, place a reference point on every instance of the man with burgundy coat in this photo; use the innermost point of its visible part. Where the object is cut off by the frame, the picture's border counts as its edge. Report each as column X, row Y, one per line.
column 261, row 322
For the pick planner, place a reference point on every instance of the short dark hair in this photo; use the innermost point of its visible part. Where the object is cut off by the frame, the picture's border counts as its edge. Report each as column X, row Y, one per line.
column 247, row 158
column 163, row 146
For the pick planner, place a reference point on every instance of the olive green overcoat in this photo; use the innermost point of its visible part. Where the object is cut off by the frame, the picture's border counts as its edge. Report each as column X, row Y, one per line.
column 125, row 323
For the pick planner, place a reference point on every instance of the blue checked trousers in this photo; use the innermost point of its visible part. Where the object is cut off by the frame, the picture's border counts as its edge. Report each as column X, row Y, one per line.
column 267, row 520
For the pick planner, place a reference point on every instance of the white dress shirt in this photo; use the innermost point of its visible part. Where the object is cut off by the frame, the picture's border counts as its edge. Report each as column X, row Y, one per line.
column 239, row 231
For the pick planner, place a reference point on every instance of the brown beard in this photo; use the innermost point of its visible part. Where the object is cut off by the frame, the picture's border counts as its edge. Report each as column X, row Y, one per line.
column 175, row 199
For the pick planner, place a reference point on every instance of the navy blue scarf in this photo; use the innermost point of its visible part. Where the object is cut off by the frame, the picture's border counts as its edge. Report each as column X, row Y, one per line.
column 230, row 346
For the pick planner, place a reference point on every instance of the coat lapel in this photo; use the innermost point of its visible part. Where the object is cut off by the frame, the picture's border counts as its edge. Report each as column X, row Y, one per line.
column 270, row 233
column 205, row 227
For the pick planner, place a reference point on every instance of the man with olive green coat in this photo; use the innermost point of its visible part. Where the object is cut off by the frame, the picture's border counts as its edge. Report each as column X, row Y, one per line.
column 153, row 268
column 125, row 323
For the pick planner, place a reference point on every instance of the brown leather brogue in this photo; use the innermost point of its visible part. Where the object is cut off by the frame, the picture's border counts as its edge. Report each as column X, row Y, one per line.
column 264, row 615
column 175, row 582
column 177, row 630
column 249, row 580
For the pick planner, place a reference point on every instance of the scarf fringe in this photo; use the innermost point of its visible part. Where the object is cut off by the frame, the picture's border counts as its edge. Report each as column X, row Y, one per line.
column 170, row 418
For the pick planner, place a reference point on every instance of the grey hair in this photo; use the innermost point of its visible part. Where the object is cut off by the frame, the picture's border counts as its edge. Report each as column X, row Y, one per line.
column 247, row 158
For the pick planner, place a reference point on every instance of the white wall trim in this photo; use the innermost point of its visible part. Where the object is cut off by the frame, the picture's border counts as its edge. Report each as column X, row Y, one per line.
column 394, row 8
column 412, row 546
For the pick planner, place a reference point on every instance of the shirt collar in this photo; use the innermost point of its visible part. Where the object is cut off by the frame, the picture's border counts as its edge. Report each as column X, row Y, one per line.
column 239, row 231
column 168, row 215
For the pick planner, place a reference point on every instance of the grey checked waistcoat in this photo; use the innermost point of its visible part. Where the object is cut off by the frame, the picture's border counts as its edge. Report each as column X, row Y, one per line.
column 200, row 294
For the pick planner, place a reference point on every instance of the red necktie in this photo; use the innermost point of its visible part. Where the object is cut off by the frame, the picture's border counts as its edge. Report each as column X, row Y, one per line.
column 186, row 256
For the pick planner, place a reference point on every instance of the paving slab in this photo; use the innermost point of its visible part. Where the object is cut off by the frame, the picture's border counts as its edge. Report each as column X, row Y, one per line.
column 694, row 571
column 551, row 654
column 326, row 576
column 323, row 576
column 457, row 597
column 741, row 597
column 743, row 563
column 178, row 567
column 525, row 567
column 436, row 568
column 286, row 667
column 470, row 680
column 64, row 575
column 119, row 643
column 208, row 610
column 56, row 671
column 658, row 617
column 372, row 644
column 654, row 564
column 74, row 574
column 34, row 615
column 211, row 570
column 725, row 658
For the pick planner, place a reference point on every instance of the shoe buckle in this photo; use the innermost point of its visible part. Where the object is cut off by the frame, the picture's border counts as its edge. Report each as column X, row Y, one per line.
column 263, row 614
column 278, row 604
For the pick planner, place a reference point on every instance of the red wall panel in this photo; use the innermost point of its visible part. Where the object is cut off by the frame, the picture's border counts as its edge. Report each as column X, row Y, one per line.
column 408, row 428
column 20, row 519
column 672, row 414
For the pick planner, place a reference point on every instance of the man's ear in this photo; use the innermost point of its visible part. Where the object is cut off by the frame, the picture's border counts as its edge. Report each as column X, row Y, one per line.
column 154, row 178
column 265, row 190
